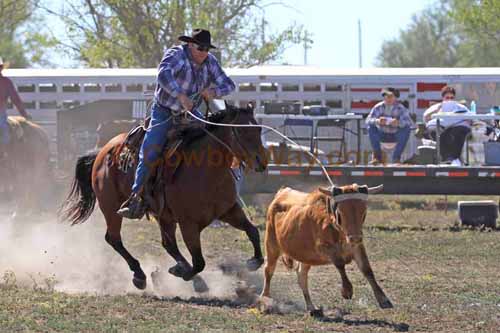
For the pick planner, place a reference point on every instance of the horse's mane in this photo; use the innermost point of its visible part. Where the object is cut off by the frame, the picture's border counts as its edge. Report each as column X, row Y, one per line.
column 226, row 116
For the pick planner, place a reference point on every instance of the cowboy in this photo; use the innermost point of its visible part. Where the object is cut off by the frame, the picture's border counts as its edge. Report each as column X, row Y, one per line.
column 7, row 90
column 389, row 121
column 185, row 70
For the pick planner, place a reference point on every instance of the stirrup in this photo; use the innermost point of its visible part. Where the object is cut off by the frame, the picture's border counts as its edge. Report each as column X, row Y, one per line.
column 133, row 208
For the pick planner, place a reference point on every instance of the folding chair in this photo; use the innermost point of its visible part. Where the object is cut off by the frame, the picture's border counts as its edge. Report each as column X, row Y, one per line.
column 305, row 125
column 331, row 130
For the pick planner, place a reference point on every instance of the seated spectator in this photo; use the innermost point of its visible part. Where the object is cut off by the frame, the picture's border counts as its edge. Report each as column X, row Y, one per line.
column 453, row 131
column 389, row 121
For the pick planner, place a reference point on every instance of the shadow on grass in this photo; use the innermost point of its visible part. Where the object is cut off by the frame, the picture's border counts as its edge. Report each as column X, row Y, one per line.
column 397, row 327
column 292, row 308
column 454, row 228
column 214, row 302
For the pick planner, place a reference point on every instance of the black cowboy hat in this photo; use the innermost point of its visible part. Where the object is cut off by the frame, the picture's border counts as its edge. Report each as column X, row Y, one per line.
column 200, row 37
column 390, row 91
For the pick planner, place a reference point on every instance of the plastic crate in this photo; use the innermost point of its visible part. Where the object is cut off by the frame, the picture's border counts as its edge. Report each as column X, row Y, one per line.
column 478, row 213
column 282, row 108
column 492, row 153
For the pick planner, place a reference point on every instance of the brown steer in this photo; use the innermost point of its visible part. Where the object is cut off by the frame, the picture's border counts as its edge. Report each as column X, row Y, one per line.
column 319, row 228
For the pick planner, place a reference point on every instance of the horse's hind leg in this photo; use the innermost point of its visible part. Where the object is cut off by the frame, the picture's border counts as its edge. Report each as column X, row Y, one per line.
column 113, row 238
column 238, row 219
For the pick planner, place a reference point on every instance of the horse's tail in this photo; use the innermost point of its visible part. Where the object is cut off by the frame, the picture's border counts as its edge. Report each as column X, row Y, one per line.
column 80, row 202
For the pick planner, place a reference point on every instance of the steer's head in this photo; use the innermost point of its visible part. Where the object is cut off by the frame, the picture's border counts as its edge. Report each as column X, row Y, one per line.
column 349, row 205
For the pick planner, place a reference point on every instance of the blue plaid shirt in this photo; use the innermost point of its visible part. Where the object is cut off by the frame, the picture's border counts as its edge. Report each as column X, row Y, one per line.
column 178, row 74
column 397, row 111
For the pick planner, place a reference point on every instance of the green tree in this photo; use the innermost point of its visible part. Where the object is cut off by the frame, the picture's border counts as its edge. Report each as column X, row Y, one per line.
column 480, row 22
column 431, row 40
column 22, row 43
column 135, row 33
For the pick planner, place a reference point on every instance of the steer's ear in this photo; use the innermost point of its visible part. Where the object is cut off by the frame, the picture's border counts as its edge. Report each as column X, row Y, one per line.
column 326, row 191
column 337, row 190
column 331, row 191
column 363, row 189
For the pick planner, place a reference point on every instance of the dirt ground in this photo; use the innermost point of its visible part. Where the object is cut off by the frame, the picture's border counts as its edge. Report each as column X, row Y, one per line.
column 440, row 276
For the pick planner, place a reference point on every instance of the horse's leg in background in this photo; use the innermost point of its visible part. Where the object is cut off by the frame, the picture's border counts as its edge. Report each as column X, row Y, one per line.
column 21, row 192
column 238, row 219
column 169, row 242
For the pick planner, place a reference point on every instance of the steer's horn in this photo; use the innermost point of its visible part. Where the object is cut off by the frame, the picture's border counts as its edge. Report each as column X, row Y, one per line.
column 376, row 189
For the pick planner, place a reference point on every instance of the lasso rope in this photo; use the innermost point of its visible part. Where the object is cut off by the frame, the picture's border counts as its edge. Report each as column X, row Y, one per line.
column 269, row 128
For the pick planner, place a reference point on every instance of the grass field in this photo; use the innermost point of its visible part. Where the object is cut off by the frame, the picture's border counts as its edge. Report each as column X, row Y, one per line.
column 441, row 278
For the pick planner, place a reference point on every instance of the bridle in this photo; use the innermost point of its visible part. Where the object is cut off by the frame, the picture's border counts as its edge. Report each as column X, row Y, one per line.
column 235, row 137
column 235, row 134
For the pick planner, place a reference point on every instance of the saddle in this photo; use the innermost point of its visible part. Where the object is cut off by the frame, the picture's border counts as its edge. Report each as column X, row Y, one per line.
column 183, row 130
column 183, row 133
column 16, row 126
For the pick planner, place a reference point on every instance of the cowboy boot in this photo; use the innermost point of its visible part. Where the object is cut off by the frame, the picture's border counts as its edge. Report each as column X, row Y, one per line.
column 133, row 208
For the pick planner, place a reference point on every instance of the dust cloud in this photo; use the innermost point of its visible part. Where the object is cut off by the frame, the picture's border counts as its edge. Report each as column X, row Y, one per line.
column 42, row 252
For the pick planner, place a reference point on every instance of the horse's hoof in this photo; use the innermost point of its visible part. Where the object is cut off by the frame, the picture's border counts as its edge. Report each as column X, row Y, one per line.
column 199, row 285
column 386, row 304
column 179, row 270
column 317, row 313
column 139, row 283
column 254, row 264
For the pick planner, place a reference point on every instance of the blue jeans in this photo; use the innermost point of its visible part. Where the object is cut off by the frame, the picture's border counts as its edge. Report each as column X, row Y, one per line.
column 153, row 144
column 4, row 130
column 377, row 136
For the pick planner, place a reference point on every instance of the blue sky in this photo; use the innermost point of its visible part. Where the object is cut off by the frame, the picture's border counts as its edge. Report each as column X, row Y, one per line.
column 334, row 25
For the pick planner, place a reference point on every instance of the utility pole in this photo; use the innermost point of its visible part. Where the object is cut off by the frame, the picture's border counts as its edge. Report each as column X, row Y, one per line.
column 307, row 45
column 359, row 45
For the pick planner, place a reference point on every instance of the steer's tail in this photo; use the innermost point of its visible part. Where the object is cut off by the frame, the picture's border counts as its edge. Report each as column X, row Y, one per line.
column 289, row 263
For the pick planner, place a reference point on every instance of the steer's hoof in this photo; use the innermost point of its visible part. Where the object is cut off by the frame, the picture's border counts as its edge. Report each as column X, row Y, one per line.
column 386, row 304
column 254, row 264
column 139, row 283
column 317, row 313
column 346, row 293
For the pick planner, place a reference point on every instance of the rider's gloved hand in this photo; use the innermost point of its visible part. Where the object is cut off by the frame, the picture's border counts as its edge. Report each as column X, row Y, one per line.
column 208, row 94
column 186, row 103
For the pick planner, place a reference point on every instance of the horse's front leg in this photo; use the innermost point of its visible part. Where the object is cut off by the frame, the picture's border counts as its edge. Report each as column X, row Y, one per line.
column 182, row 268
column 191, row 234
column 238, row 219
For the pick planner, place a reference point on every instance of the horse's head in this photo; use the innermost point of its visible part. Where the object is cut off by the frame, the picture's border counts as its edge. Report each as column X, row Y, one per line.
column 350, row 206
column 246, row 141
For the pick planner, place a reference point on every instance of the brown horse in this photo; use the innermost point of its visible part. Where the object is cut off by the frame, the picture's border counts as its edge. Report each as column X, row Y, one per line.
column 202, row 189
column 26, row 167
